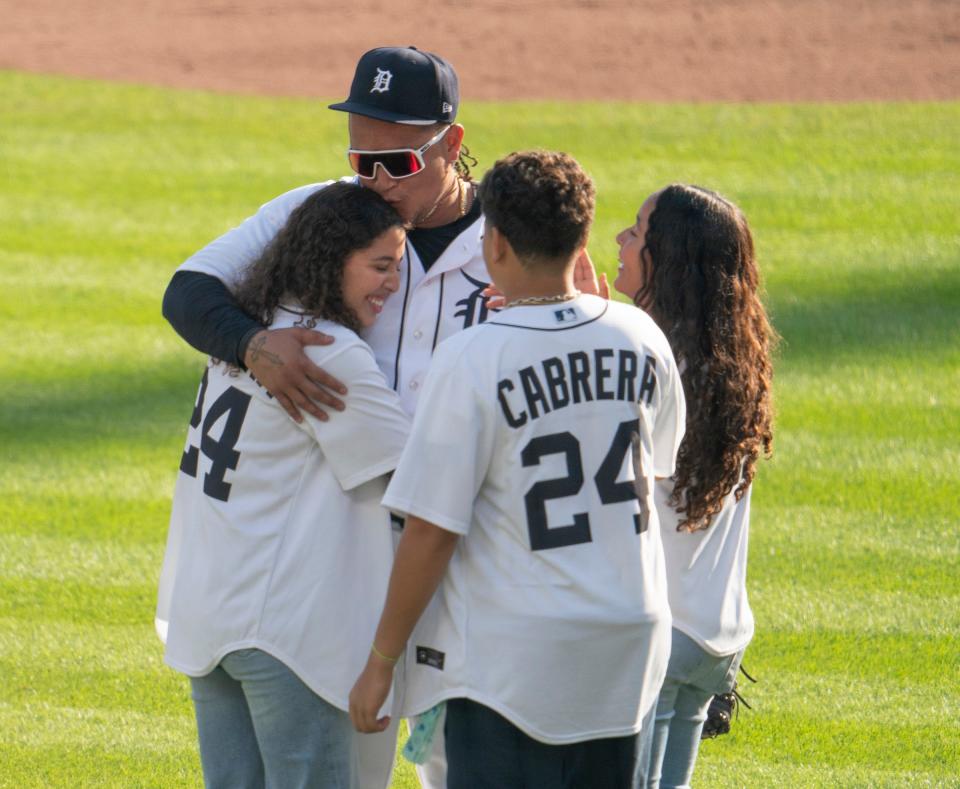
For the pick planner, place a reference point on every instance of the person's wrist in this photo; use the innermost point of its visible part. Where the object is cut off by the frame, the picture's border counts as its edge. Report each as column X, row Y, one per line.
column 381, row 659
column 244, row 344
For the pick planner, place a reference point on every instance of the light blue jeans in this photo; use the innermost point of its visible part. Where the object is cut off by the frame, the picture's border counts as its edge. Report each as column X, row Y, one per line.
column 693, row 677
column 261, row 727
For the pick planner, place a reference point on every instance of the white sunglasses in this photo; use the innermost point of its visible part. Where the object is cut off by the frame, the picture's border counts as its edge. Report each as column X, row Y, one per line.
column 397, row 163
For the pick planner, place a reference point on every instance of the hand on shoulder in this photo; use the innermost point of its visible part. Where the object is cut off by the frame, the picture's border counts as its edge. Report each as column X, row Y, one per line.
column 277, row 360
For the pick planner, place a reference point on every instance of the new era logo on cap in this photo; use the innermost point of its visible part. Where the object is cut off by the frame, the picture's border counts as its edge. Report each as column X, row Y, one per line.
column 403, row 85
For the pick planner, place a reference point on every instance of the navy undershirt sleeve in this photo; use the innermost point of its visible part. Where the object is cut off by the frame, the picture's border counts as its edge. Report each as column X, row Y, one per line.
column 202, row 311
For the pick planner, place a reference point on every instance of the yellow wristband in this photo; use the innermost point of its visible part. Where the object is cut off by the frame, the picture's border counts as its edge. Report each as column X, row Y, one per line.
column 380, row 655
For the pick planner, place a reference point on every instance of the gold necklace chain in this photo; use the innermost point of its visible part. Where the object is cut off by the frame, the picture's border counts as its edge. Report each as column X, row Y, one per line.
column 535, row 300
column 461, row 199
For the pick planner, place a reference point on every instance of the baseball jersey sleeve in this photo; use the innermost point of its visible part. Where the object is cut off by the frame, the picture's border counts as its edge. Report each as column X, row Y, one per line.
column 447, row 457
column 226, row 257
column 670, row 422
column 367, row 438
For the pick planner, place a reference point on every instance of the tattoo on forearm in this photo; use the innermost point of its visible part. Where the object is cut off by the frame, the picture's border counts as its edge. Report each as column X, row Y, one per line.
column 257, row 352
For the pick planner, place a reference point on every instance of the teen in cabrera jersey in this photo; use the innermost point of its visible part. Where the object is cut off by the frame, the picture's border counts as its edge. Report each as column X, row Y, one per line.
column 279, row 549
column 688, row 260
column 520, row 484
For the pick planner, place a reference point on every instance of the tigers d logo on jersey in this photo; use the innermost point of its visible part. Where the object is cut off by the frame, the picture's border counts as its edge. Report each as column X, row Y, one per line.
column 473, row 307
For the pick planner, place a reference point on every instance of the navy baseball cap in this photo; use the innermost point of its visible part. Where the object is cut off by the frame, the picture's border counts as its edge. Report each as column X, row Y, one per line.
column 403, row 85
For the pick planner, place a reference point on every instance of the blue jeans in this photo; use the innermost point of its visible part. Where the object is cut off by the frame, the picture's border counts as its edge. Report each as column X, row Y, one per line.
column 486, row 751
column 693, row 677
column 260, row 726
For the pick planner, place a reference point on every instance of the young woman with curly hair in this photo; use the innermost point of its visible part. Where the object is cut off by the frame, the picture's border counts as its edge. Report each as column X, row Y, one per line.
column 689, row 262
column 279, row 551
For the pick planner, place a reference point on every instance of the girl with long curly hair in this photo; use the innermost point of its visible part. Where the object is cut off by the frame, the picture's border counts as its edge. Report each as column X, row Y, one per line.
column 279, row 551
column 689, row 262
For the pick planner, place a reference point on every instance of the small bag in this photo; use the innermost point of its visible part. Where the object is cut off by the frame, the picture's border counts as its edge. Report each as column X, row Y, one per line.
column 722, row 707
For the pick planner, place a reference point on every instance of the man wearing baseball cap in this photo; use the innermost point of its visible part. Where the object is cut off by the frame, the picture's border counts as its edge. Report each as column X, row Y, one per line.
column 403, row 85
column 406, row 146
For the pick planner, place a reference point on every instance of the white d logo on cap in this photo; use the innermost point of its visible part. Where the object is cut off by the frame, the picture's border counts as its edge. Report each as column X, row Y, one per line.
column 381, row 82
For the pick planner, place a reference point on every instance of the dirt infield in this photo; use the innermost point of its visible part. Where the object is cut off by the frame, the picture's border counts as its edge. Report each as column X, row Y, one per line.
column 664, row 50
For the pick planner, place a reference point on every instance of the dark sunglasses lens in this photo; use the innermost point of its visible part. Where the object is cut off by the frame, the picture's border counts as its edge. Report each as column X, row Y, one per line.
column 397, row 164
column 361, row 164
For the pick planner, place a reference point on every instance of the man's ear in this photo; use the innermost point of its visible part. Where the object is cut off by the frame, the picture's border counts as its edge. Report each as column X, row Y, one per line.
column 452, row 142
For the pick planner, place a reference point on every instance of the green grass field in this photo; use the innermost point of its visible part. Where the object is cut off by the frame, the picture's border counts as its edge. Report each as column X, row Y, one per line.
column 855, row 557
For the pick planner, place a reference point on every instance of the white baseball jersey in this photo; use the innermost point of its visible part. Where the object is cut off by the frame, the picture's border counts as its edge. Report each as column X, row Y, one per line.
column 429, row 306
column 707, row 574
column 277, row 538
column 553, row 611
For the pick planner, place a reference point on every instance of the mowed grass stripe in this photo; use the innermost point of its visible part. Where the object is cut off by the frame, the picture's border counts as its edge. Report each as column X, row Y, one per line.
column 123, row 519
column 90, row 765
column 792, row 737
column 62, row 683
column 722, row 766
column 840, row 530
column 90, row 345
column 89, row 561
column 846, row 609
column 860, row 572
column 76, row 601
column 880, row 658
column 839, row 697
column 871, row 488
column 47, row 745
column 920, row 396
column 124, row 730
column 113, row 647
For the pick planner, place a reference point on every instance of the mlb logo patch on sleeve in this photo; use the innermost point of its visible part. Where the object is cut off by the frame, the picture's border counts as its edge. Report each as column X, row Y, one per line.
column 565, row 315
column 430, row 657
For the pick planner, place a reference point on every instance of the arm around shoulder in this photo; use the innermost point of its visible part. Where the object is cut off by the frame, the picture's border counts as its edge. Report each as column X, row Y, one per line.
column 202, row 311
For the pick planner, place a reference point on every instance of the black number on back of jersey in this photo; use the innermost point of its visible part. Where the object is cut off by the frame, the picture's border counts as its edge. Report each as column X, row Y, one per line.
column 191, row 455
column 233, row 403
column 542, row 535
column 613, row 492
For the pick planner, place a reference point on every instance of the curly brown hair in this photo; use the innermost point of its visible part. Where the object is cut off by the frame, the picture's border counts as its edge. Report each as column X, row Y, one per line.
column 304, row 262
column 704, row 292
column 542, row 202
